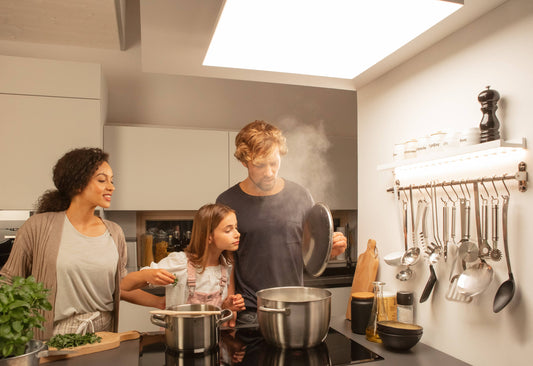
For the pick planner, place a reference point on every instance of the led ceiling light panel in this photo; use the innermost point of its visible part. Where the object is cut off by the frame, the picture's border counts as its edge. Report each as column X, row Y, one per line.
column 332, row 38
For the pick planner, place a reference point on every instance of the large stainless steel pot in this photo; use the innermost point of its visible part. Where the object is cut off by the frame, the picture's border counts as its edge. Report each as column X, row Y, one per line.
column 188, row 332
column 294, row 317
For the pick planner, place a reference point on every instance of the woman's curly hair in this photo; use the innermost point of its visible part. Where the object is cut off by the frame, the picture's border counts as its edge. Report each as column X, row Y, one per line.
column 71, row 175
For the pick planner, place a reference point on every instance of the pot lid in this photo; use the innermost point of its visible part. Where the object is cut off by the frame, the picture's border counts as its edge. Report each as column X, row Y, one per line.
column 317, row 239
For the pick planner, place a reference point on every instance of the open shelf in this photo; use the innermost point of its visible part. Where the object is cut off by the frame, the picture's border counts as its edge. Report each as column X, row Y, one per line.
column 462, row 152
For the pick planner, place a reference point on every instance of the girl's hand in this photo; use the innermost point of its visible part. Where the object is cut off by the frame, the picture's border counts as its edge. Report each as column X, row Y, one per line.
column 158, row 277
column 234, row 303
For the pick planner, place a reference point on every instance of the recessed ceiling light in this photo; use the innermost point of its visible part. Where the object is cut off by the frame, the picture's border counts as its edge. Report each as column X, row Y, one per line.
column 333, row 38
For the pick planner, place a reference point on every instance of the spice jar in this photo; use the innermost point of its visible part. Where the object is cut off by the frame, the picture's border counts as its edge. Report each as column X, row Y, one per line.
column 405, row 308
column 361, row 307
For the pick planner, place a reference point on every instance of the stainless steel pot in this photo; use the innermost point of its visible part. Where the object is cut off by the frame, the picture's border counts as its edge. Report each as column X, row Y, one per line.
column 191, row 332
column 35, row 349
column 294, row 317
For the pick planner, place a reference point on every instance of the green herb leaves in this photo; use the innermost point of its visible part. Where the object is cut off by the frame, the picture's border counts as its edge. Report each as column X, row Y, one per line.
column 20, row 303
column 175, row 282
column 69, row 340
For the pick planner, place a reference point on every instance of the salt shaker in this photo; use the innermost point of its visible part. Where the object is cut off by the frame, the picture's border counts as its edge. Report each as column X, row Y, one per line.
column 405, row 308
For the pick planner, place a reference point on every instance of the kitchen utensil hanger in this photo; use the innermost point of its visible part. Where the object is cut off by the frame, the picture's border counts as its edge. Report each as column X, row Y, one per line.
column 521, row 176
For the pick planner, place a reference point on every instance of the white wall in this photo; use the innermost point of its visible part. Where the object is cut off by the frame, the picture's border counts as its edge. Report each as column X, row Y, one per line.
column 438, row 90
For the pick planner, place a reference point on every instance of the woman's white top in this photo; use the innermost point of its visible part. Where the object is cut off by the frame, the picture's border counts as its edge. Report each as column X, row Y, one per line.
column 208, row 281
column 86, row 268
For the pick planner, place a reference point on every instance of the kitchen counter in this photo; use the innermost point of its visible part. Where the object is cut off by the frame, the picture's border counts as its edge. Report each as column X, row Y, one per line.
column 128, row 352
column 420, row 354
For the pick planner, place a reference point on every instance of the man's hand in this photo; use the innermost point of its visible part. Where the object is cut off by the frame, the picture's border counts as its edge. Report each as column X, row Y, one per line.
column 339, row 244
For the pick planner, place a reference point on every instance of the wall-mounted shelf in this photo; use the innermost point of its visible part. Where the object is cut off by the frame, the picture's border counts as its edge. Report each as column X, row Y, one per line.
column 459, row 153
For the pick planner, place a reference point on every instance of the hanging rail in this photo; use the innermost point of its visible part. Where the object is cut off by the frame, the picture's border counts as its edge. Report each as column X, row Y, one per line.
column 520, row 176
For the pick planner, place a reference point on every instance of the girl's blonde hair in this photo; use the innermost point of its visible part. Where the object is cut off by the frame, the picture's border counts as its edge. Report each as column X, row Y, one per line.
column 205, row 222
column 257, row 140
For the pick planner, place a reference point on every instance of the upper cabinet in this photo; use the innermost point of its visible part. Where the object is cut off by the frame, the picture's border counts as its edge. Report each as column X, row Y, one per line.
column 166, row 168
column 48, row 107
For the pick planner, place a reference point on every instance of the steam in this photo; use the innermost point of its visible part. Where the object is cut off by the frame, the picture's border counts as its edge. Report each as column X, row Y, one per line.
column 305, row 162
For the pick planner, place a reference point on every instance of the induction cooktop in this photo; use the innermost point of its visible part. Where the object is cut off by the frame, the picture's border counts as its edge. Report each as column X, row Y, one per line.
column 246, row 347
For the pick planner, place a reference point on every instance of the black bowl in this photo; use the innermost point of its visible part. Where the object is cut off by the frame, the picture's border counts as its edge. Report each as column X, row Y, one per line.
column 398, row 342
column 394, row 327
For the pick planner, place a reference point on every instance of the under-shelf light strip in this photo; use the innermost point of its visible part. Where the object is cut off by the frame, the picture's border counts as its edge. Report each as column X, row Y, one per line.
column 499, row 151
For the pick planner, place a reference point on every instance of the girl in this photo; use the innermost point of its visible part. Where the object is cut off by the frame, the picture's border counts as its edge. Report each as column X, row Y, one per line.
column 79, row 256
column 203, row 270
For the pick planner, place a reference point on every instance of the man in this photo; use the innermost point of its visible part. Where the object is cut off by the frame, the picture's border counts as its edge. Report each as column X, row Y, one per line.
column 270, row 215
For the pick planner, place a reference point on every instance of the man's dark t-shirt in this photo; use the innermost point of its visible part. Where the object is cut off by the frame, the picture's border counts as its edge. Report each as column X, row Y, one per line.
column 270, row 248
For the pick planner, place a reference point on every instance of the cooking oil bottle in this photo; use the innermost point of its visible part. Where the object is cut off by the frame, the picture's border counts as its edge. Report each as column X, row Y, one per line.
column 379, row 313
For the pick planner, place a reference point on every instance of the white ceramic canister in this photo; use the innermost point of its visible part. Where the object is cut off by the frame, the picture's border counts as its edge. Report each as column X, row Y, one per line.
column 470, row 136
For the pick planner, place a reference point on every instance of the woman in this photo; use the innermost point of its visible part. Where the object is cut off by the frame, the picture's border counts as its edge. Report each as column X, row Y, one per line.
column 79, row 256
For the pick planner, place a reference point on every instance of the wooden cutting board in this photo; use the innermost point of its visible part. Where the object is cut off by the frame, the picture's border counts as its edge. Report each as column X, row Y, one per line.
column 110, row 340
column 365, row 273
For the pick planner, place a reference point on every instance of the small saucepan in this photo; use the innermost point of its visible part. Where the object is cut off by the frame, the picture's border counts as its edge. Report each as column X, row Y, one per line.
column 192, row 327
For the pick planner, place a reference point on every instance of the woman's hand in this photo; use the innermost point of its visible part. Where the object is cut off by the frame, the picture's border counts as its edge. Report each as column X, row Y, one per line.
column 339, row 244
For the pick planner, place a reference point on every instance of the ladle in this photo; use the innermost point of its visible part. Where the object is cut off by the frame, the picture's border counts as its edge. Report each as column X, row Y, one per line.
column 506, row 290
column 412, row 255
column 475, row 279
column 406, row 273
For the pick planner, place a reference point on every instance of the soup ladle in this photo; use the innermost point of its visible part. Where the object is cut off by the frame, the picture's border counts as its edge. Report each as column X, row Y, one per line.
column 412, row 255
column 506, row 290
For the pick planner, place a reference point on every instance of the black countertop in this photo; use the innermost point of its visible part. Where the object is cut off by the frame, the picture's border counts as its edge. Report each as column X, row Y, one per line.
column 128, row 352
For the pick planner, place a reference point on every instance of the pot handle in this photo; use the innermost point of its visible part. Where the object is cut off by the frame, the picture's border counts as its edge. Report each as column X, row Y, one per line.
column 158, row 320
column 286, row 311
column 227, row 317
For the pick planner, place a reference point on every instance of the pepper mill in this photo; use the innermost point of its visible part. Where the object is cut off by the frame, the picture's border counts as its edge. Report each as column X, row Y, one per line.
column 489, row 124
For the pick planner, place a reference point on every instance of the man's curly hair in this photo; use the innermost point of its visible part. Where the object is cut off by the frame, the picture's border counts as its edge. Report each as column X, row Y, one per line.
column 71, row 175
column 257, row 140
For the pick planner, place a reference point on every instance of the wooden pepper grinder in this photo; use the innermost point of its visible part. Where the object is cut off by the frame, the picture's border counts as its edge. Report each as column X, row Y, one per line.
column 489, row 124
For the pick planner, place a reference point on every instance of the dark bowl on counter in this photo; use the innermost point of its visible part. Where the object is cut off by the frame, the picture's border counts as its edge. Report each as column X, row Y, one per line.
column 398, row 342
column 394, row 327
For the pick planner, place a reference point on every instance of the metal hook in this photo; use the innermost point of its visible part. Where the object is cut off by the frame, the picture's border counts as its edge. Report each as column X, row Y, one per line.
column 426, row 189
column 485, row 188
column 422, row 194
column 462, row 190
column 453, row 189
column 405, row 194
column 503, row 181
column 494, row 198
column 467, row 191
column 445, row 191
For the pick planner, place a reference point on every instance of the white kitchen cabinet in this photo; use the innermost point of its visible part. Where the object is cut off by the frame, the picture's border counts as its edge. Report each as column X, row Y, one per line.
column 166, row 168
column 336, row 184
column 46, row 111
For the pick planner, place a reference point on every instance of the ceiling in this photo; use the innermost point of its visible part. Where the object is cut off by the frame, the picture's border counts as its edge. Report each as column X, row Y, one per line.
column 175, row 35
